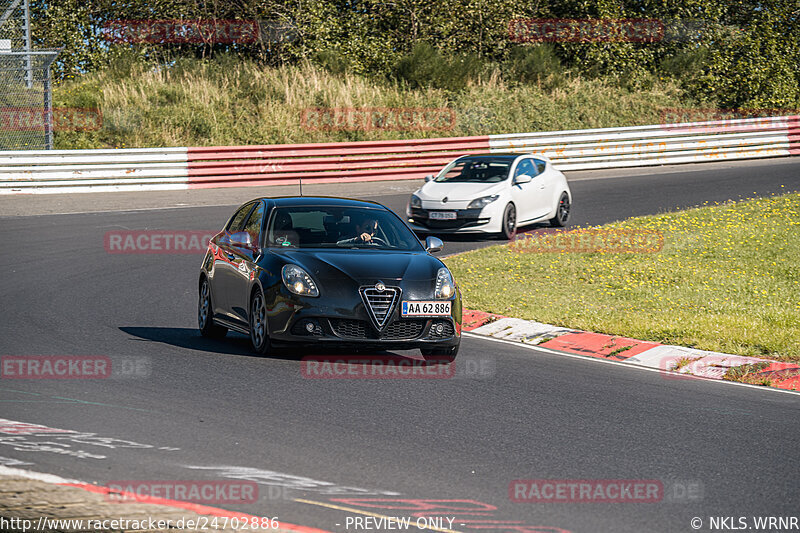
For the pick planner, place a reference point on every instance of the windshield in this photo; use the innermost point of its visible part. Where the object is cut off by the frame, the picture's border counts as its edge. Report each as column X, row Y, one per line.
column 476, row 170
column 339, row 227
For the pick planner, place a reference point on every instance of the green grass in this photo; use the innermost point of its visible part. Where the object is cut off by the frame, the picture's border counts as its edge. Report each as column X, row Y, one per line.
column 727, row 279
column 228, row 102
column 748, row 374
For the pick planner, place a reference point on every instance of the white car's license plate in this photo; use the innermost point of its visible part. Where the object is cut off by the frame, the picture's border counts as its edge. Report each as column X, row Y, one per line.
column 443, row 215
column 425, row 308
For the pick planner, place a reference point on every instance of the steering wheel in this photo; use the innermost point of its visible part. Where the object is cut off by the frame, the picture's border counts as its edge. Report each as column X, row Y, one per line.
column 377, row 240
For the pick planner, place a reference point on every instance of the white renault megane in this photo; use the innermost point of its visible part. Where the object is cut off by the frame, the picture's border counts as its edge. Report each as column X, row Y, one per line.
column 491, row 193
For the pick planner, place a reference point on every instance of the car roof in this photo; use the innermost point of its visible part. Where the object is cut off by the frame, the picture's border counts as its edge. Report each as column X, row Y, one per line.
column 500, row 155
column 297, row 201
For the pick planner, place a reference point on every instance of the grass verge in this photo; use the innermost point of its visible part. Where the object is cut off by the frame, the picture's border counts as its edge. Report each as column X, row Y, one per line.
column 748, row 374
column 727, row 279
column 231, row 102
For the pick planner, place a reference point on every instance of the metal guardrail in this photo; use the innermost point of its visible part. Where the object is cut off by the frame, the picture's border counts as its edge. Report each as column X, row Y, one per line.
column 659, row 145
column 51, row 171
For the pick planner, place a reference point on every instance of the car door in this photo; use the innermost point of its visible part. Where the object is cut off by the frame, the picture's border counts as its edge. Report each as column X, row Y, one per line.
column 547, row 183
column 246, row 250
column 226, row 266
column 527, row 197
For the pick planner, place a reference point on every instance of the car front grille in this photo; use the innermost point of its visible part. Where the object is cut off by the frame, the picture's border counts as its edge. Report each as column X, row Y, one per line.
column 359, row 329
column 351, row 329
column 403, row 329
column 464, row 218
column 380, row 304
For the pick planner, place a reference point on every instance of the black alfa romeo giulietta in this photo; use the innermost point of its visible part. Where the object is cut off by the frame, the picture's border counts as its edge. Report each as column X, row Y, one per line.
column 327, row 272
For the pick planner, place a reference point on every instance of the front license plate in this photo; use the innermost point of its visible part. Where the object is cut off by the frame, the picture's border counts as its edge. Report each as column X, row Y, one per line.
column 425, row 309
column 443, row 215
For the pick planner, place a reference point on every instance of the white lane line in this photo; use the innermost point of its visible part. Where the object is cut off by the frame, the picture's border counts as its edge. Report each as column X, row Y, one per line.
column 38, row 476
column 678, row 376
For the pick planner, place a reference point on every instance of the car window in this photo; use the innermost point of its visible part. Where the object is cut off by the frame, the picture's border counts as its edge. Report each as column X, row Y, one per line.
column 253, row 225
column 540, row 165
column 310, row 220
column 525, row 167
column 482, row 169
column 237, row 222
column 339, row 227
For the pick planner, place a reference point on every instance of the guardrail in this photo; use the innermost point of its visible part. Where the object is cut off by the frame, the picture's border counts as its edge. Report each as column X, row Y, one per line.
column 52, row 171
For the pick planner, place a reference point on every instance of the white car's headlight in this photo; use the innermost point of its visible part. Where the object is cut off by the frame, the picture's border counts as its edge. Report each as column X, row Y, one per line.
column 445, row 287
column 298, row 281
column 415, row 201
column 480, row 203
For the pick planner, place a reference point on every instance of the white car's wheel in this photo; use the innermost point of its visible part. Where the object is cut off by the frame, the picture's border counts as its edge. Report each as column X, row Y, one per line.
column 509, row 222
column 562, row 211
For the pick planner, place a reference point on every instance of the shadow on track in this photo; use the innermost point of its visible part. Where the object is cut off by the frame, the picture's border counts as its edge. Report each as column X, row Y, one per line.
column 190, row 338
column 238, row 344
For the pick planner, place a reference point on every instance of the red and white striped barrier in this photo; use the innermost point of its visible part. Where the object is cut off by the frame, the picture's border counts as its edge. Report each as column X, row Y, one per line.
column 55, row 171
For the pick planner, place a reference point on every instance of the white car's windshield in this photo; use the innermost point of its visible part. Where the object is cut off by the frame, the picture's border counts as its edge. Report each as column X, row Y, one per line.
column 486, row 169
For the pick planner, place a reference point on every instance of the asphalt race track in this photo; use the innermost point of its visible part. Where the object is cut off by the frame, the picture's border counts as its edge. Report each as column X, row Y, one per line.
column 210, row 410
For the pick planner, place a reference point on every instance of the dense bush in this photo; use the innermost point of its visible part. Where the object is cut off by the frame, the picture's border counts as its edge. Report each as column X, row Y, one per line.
column 738, row 53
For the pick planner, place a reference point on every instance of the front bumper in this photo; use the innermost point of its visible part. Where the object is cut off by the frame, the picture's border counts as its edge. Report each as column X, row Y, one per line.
column 466, row 221
column 399, row 334
column 310, row 321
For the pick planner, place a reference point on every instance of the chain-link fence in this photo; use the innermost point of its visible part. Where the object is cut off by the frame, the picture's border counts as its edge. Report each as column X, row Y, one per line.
column 26, row 115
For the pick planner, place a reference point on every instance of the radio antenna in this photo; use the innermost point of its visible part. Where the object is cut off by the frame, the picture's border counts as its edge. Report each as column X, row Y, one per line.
column 301, row 185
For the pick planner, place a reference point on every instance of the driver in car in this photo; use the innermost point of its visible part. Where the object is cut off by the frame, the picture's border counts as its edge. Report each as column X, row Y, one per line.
column 365, row 233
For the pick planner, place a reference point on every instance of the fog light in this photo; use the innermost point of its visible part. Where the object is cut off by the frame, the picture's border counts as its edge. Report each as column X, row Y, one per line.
column 310, row 327
column 438, row 329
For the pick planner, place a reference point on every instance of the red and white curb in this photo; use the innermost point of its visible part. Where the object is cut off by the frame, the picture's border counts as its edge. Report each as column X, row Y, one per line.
column 130, row 497
column 673, row 359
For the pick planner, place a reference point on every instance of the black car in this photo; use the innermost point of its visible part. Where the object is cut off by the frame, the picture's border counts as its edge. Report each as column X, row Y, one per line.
column 327, row 272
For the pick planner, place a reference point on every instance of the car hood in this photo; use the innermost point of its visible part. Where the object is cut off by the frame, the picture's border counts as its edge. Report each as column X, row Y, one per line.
column 363, row 266
column 458, row 191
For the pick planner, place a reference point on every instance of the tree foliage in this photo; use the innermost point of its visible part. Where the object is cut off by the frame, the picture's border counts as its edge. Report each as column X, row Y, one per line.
column 737, row 53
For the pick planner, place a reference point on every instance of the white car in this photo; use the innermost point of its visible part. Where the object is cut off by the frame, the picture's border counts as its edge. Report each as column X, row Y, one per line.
column 491, row 193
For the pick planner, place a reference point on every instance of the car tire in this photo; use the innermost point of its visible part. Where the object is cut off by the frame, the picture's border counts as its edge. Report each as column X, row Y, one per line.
column 259, row 335
column 442, row 355
column 509, row 222
column 204, row 311
column 562, row 211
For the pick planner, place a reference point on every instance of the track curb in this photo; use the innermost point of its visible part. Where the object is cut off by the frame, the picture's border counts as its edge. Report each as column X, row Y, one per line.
column 679, row 362
column 22, row 491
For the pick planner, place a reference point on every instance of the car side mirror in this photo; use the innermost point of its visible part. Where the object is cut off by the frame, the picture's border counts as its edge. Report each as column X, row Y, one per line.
column 522, row 178
column 433, row 244
column 428, row 178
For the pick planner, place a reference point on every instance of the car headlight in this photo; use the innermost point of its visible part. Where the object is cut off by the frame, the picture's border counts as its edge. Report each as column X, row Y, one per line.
column 415, row 201
column 298, row 281
column 445, row 287
column 480, row 203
